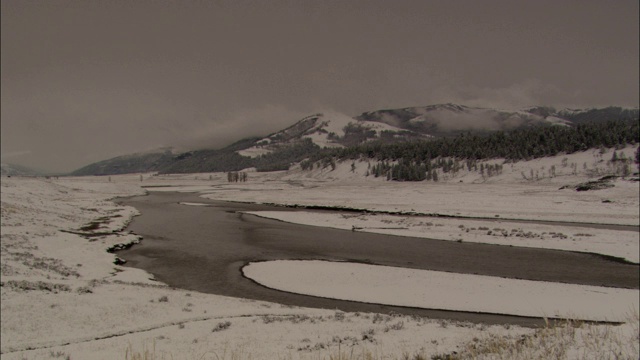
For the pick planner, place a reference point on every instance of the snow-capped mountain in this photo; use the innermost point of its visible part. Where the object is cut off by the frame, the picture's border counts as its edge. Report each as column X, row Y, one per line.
column 330, row 129
column 449, row 119
column 444, row 119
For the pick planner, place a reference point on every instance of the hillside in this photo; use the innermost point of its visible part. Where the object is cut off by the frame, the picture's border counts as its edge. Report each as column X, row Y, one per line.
column 336, row 134
column 331, row 130
column 452, row 119
column 140, row 162
column 580, row 116
column 17, row 170
column 421, row 160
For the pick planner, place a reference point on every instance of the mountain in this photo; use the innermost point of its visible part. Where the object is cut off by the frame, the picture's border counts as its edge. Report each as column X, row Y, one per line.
column 330, row 130
column 293, row 144
column 451, row 119
column 17, row 170
column 310, row 134
column 126, row 164
column 579, row 116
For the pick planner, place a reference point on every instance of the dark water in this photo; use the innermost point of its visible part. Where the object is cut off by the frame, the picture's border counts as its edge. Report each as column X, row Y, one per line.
column 203, row 249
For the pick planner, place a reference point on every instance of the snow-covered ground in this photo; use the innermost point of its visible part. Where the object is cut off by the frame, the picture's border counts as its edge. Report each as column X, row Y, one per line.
column 497, row 198
column 63, row 296
column 444, row 290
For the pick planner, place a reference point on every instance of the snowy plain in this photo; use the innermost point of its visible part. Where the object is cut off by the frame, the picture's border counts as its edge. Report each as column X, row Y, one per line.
column 62, row 295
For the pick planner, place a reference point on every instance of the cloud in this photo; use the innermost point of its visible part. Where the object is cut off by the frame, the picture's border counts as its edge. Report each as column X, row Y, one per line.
column 477, row 120
column 14, row 154
column 530, row 92
column 256, row 121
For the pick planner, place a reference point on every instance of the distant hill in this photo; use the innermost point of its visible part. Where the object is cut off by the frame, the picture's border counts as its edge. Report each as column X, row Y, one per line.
column 273, row 152
column 17, row 170
column 127, row 164
column 580, row 116
column 332, row 130
column 421, row 160
column 452, row 119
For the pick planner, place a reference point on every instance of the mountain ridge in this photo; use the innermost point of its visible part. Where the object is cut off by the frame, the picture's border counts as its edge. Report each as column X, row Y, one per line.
column 335, row 130
column 18, row 170
column 450, row 119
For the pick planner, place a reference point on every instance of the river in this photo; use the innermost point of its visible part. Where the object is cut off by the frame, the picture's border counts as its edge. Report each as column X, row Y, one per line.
column 203, row 248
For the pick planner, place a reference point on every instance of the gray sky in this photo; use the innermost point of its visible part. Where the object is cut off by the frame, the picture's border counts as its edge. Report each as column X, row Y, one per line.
column 83, row 81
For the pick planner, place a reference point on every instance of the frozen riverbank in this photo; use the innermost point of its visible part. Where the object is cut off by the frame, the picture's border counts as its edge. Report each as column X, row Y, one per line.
column 615, row 243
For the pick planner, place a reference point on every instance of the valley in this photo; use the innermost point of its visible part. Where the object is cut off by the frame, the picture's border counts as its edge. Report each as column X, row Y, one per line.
column 506, row 229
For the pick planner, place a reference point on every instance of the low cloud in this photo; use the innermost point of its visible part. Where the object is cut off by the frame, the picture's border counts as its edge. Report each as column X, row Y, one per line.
column 530, row 92
column 259, row 121
column 476, row 120
column 14, row 154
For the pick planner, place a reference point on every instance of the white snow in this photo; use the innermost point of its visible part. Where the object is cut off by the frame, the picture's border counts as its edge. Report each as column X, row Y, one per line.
column 334, row 122
column 443, row 290
column 193, row 203
column 254, row 151
column 327, row 122
column 525, row 190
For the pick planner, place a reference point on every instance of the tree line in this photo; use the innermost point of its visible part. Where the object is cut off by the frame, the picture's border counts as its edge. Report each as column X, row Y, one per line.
column 418, row 160
column 228, row 159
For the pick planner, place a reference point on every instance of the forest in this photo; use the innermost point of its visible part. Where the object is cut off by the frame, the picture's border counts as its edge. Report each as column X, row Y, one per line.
column 418, row 160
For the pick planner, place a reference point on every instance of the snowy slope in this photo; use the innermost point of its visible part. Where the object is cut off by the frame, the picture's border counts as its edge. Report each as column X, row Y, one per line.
column 325, row 130
column 442, row 119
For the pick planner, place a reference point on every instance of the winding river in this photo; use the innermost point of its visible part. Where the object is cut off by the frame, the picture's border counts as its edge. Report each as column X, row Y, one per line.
column 203, row 248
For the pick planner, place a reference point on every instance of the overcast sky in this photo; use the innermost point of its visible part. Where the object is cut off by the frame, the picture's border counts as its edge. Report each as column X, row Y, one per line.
column 84, row 81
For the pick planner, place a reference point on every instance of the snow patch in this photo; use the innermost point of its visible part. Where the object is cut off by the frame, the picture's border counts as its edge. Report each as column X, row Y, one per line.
column 443, row 290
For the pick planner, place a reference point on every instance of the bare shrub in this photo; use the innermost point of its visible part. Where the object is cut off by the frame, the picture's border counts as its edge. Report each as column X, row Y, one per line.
column 35, row 285
column 397, row 326
column 368, row 335
column 84, row 290
column 558, row 340
column 222, row 326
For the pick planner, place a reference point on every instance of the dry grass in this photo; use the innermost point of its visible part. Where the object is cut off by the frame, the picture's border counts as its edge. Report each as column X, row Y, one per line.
column 563, row 340
column 560, row 340
column 145, row 354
